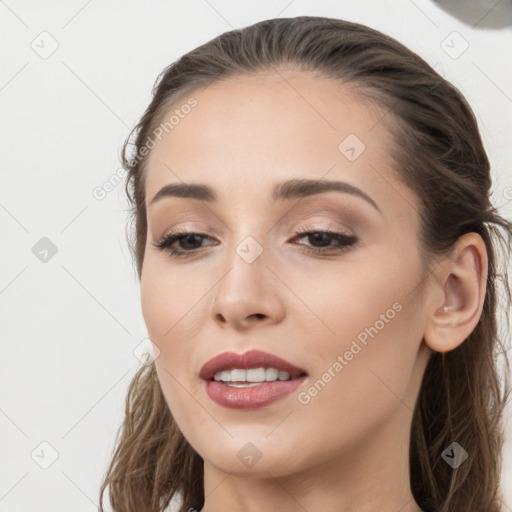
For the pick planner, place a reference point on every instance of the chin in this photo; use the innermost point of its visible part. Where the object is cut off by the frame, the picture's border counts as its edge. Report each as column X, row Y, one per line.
column 275, row 466
column 252, row 456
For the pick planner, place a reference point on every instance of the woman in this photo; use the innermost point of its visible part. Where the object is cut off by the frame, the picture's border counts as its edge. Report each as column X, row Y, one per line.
column 317, row 255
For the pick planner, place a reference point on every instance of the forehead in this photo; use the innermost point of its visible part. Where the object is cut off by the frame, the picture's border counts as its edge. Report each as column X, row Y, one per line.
column 247, row 133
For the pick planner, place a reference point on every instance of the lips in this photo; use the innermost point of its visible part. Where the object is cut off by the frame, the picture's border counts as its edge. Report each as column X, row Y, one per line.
column 247, row 361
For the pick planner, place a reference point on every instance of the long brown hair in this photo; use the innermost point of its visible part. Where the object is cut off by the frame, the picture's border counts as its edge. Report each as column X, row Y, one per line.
column 439, row 154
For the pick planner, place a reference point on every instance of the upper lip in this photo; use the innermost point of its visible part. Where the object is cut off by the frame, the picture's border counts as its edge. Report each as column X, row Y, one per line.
column 247, row 360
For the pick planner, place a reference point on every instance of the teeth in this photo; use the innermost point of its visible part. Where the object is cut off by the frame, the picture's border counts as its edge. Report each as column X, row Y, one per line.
column 225, row 376
column 271, row 374
column 251, row 376
column 237, row 375
column 255, row 375
column 283, row 375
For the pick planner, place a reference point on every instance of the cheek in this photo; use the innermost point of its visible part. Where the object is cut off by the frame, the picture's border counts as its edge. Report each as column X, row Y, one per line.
column 371, row 381
column 169, row 314
column 361, row 296
column 168, row 301
column 174, row 306
column 155, row 300
column 372, row 354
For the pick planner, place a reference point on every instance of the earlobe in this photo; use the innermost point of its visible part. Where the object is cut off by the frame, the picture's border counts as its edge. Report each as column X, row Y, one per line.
column 461, row 278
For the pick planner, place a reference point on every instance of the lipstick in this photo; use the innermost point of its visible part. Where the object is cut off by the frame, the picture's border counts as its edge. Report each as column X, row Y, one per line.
column 228, row 382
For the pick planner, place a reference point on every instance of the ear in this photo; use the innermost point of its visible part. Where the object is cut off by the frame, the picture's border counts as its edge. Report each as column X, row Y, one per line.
column 461, row 280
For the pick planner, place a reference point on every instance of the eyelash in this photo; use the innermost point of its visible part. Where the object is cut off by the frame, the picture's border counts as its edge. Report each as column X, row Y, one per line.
column 346, row 241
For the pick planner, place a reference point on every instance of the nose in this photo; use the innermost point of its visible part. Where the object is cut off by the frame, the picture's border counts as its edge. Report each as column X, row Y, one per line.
column 248, row 295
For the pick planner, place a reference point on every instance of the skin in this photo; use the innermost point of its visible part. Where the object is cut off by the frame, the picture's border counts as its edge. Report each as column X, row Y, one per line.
column 347, row 449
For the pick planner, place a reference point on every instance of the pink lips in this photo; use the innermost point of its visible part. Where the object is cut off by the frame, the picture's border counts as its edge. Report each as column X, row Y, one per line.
column 255, row 396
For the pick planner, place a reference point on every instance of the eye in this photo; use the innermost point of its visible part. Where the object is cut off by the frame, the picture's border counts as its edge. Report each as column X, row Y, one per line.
column 323, row 237
column 190, row 241
column 184, row 237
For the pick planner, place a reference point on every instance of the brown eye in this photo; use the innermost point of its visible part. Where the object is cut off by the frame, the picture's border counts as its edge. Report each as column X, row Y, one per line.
column 188, row 240
column 321, row 240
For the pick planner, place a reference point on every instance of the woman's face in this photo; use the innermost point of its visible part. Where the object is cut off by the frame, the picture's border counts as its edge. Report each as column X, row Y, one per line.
column 350, row 318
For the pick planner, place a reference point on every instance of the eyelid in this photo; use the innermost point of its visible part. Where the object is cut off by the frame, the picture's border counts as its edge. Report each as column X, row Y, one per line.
column 326, row 220
column 198, row 227
column 333, row 218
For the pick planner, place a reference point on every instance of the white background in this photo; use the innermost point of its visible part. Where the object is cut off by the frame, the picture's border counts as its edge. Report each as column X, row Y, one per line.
column 69, row 326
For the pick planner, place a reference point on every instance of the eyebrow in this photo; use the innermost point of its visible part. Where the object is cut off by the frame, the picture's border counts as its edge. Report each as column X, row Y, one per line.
column 287, row 190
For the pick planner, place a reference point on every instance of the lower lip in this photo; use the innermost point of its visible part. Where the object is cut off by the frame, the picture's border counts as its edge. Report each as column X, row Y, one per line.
column 251, row 397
